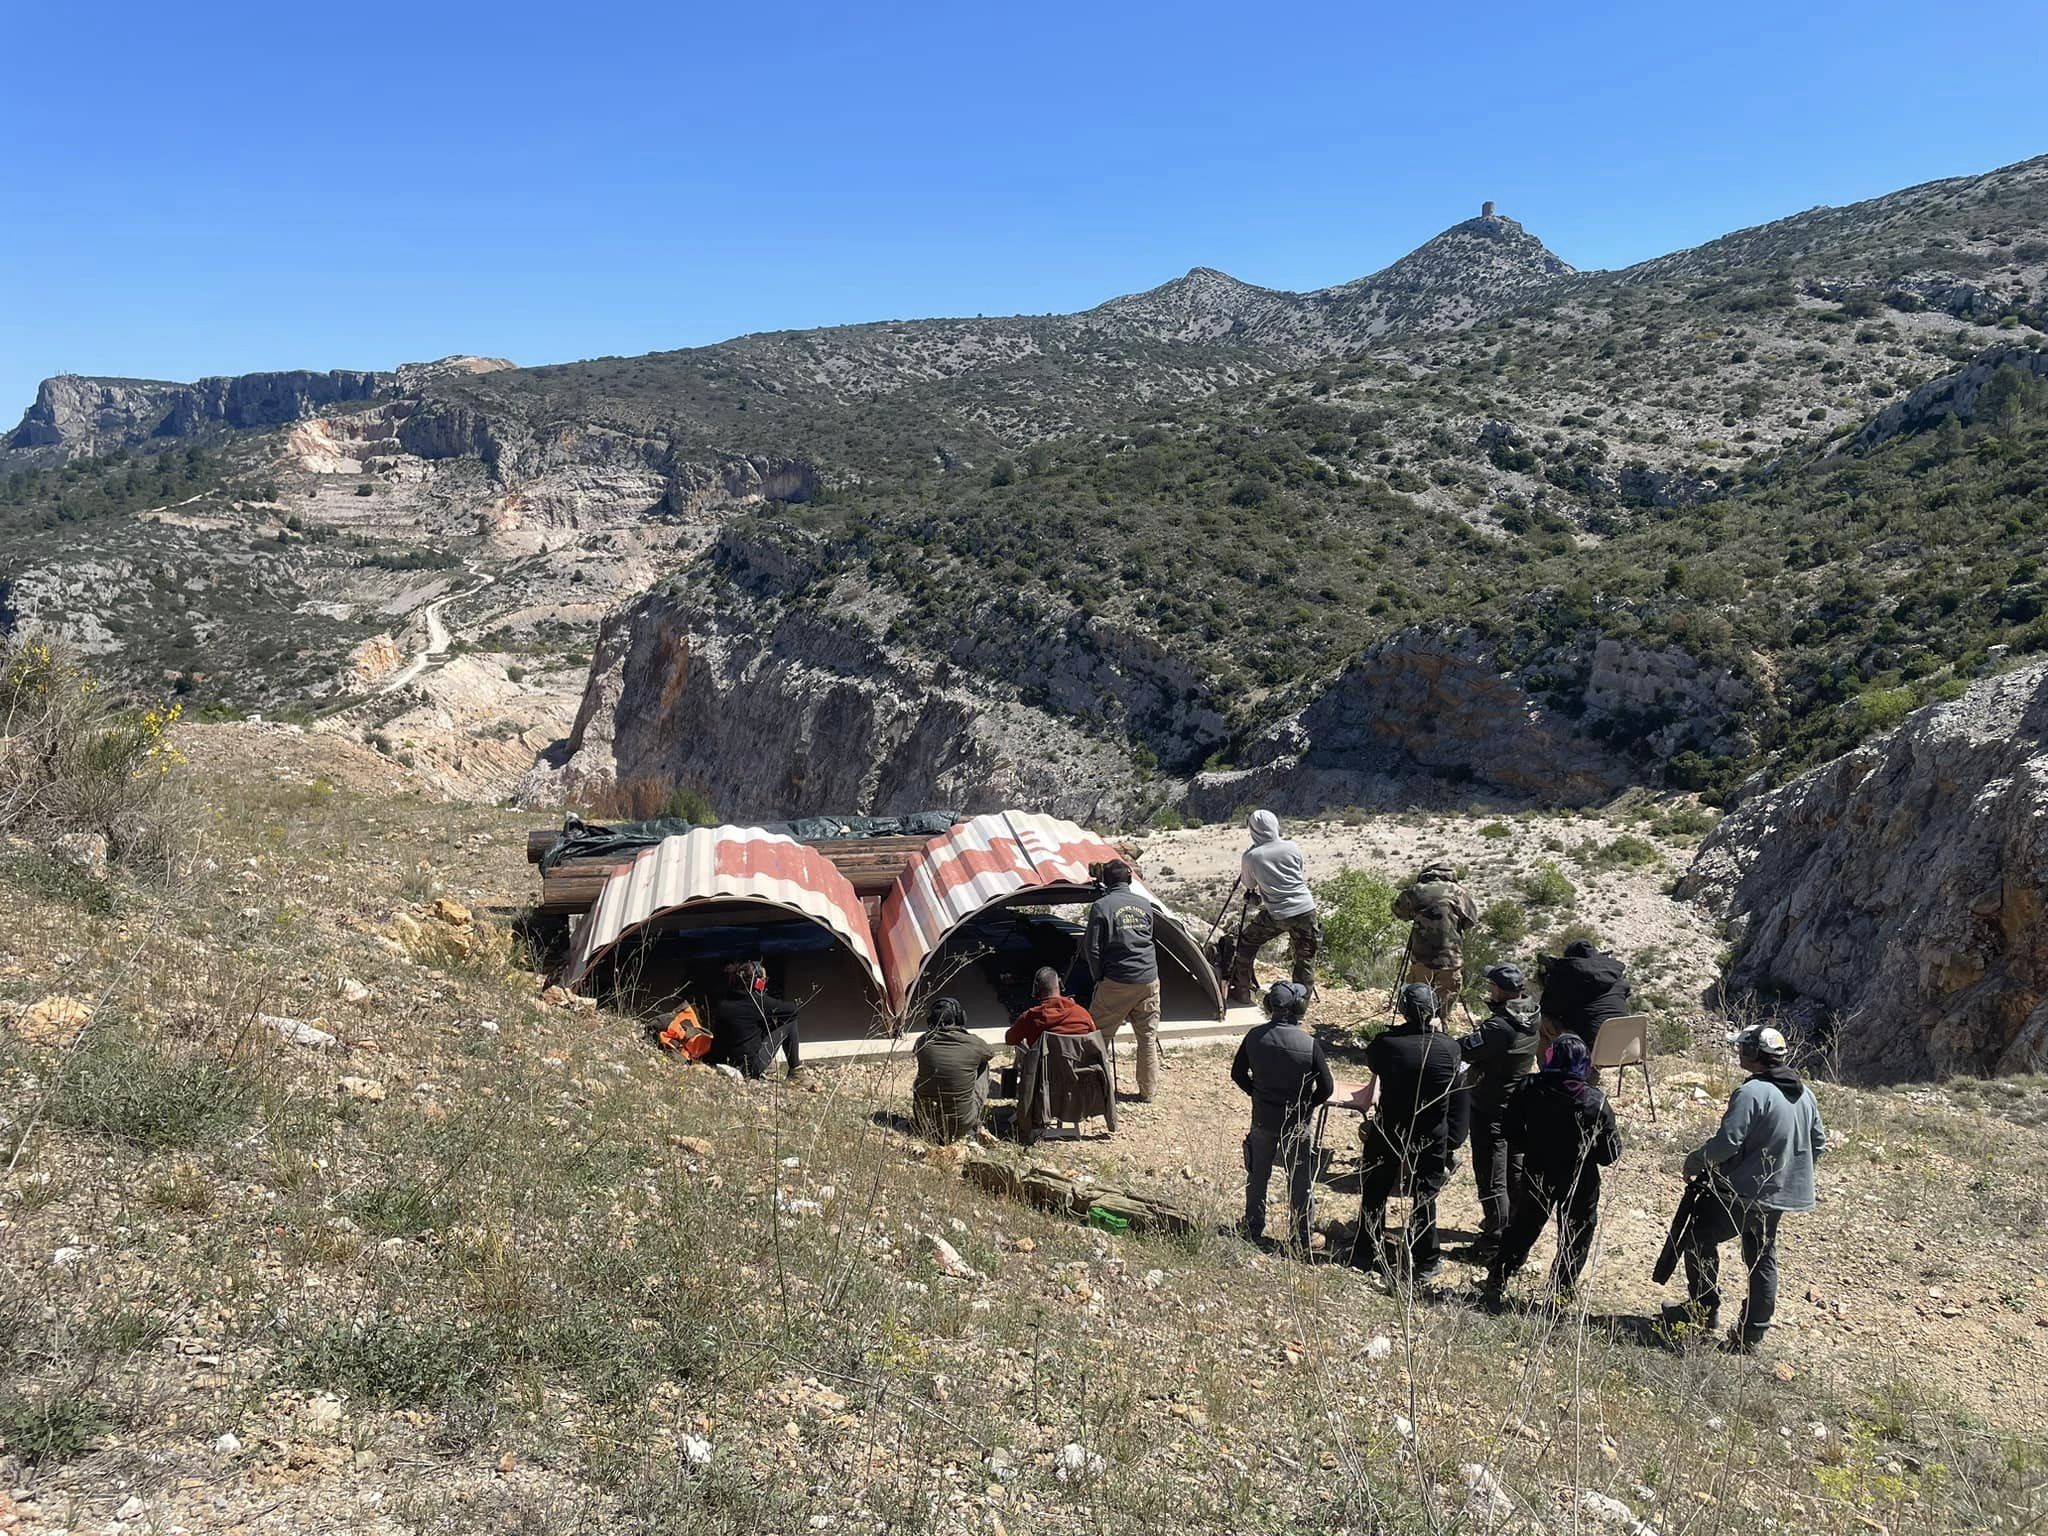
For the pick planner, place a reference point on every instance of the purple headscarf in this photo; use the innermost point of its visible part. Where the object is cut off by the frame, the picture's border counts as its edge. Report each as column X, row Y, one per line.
column 1569, row 1059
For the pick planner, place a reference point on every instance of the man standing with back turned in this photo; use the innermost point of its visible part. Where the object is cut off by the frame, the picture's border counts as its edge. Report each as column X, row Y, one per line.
column 1437, row 910
column 1276, row 878
column 1125, row 964
column 1757, row 1166
column 1414, row 1067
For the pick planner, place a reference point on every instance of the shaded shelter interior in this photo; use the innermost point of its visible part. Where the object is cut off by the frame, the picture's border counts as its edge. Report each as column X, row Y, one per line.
column 682, row 954
column 987, row 962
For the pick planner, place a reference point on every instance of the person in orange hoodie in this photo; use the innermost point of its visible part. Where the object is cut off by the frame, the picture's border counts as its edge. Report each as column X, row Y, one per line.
column 1052, row 1012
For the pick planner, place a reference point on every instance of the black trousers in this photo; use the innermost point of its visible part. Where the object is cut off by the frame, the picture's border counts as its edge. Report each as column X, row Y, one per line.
column 1717, row 1219
column 1497, row 1169
column 1425, row 1158
column 1577, row 1209
column 782, row 1038
column 1294, row 1153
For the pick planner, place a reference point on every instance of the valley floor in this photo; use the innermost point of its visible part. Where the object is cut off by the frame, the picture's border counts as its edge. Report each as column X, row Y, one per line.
column 484, row 1263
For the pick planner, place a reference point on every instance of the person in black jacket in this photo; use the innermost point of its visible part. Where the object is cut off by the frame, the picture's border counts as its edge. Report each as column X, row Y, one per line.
column 1414, row 1068
column 1498, row 1054
column 1582, row 989
column 749, row 1025
column 1281, row 1067
column 1564, row 1127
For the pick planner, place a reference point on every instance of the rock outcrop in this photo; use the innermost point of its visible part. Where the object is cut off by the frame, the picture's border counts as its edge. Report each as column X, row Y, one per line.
column 1898, row 892
column 1663, row 701
column 79, row 417
column 1421, row 707
column 1953, row 394
column 804, row 716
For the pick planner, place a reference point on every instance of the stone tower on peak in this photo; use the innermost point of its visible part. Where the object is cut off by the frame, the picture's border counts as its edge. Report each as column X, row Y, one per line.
column 1485, row 210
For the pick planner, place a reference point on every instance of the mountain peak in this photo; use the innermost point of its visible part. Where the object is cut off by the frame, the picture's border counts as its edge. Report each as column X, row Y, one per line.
column 1483, row 256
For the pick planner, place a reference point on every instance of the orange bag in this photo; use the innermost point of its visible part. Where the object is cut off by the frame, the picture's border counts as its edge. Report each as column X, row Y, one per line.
column 686, row 1033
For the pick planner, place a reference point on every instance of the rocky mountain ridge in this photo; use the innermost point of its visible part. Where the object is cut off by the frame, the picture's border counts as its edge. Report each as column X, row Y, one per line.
column 1525, row 481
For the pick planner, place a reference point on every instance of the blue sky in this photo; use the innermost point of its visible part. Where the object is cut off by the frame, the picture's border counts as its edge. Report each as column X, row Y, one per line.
column 225, row 187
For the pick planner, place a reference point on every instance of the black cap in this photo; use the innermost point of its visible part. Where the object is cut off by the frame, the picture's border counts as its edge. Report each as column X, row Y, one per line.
column 1507, row 977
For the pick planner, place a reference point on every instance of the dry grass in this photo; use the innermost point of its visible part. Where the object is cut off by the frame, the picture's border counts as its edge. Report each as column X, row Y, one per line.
column 517, row 1291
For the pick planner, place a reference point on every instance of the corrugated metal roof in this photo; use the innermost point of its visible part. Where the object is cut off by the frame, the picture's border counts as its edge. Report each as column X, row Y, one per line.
column 982, row 861
column 722, row 864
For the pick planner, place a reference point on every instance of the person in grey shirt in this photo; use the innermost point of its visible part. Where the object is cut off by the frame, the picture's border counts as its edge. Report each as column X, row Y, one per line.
column 1124, row 963
column 1275, row 876
column 1281, row 1066
column 1756, row 1167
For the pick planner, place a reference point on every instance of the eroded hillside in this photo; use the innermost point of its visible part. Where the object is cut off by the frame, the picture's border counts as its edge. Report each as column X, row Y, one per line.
column 1330, row 545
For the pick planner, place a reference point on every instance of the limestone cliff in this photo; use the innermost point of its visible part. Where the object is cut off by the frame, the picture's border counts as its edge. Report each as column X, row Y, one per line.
column 1898, row 893
column 1438, row 707
column 77, row 417
column 806, row 716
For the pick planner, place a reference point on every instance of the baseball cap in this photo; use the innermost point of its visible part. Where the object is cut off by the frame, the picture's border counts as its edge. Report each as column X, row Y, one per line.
column 1761, row 1041
column 1507, row 977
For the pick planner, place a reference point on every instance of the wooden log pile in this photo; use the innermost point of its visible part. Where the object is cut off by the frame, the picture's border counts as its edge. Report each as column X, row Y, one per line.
column 870, row 864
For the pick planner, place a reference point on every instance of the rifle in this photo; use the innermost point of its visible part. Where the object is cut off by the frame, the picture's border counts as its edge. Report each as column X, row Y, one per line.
column 1681, row 1227
column 1400, row 972
column 1224, row 950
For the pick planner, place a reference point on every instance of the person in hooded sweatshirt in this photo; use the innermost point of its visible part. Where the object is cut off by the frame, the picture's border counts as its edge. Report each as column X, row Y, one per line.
column 1563, row 1126
column 1582, row 989
column 1281, row 1067
column 1756, row 1167
column 1275, row 877
column 1438, row 911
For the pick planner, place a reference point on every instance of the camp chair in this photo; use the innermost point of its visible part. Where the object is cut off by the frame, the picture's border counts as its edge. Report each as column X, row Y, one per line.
column 1623, row 1043
column 1055, row 1089
column 1355, row 1097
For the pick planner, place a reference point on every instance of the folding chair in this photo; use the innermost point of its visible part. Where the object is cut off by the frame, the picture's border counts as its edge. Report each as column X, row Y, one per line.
column 1623, row 1043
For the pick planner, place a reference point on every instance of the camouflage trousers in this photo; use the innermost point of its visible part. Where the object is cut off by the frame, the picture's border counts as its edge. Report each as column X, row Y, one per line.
column 1305, row 941
column 1448, row 980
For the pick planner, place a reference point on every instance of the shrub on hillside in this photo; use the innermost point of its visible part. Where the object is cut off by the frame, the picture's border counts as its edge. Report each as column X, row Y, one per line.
column 71, row 762
column 1546, row 886
column 650, row 799
column 151, row 1094
column 1359, row 927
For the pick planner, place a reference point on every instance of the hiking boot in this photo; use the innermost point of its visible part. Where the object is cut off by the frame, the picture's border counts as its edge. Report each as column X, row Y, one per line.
column 1687, row 1319
column 1241, row 996
column 1492, row 1294
column 1744, row 1341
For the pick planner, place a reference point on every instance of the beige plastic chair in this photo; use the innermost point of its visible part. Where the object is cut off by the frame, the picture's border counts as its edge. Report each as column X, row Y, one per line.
column 1624, row 1043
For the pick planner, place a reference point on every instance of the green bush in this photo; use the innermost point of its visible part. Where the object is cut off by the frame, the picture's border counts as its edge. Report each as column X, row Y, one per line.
column 401, row 1208
column 46, row 1430
column 150, row 1094
column 397, row 1361
column 1547, row 886
column 1628, row 850
column 1506, row 921
column 1882, row 708
column 1165, row 819
column 71, row 762
column 1359, row 927
column 1494, row 829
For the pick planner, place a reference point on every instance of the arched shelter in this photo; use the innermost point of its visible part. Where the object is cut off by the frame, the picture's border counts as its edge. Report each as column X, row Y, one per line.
column 968, row 919
column 667, row 922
